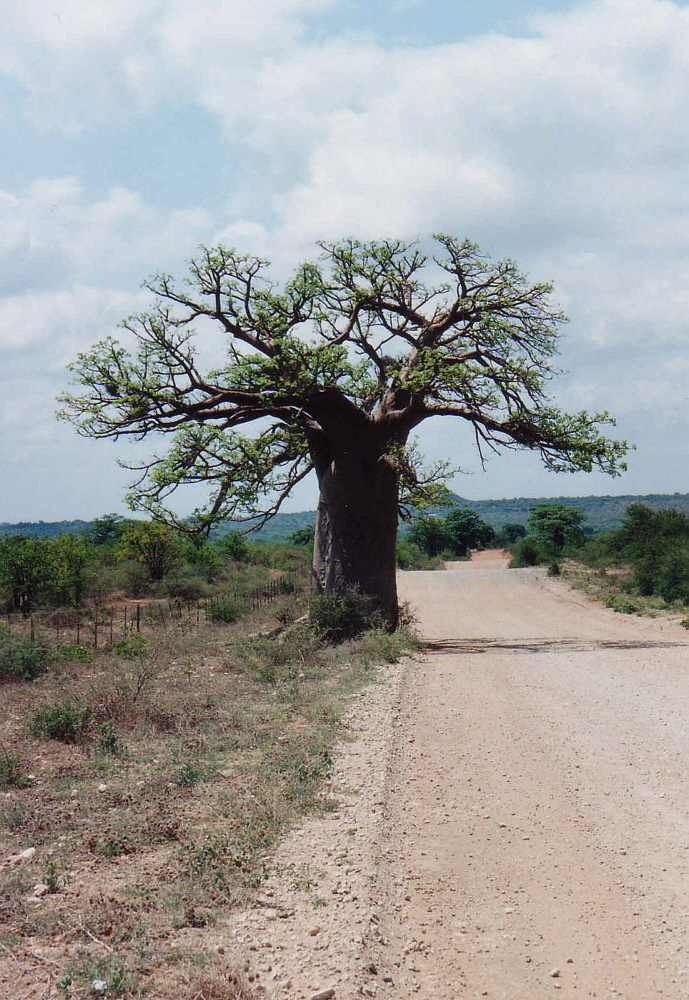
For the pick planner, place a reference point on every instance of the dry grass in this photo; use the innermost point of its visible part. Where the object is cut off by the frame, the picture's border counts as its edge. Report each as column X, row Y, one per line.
column 201, row 748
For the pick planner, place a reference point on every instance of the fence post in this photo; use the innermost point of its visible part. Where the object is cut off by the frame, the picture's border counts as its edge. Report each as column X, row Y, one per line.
column 33, row 628
column 78, row 631
column 138, row 618
column 95, row 632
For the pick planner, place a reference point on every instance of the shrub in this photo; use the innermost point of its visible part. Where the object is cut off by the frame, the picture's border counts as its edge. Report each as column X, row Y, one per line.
column 67, row 721
column 343, row 614
column 225, row 610
column 185, row 586
column 134, row 647
column 187, row 774
column 74, row 651
column 673, row 581
column 22, row 659
column 526, row 553
column 645, row 578
column 107, row 738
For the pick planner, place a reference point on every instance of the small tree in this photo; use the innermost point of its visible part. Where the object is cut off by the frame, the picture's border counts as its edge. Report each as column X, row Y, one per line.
column 459, row 531
column 107, row 529
column 466, row 530
column 556, row 524
column 155, row 545
column 71, row 556
column 509, row 533
column 335, row 371
column 429, row 534
column 303, row 536
column 27, row 569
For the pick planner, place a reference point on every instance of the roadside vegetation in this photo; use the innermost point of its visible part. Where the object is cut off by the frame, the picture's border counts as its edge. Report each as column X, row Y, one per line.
column 430, row 541
column 639, row 568
column 145, row 783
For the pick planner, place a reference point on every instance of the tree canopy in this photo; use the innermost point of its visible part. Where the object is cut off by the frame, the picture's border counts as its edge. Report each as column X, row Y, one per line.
column 456, row 533
column 333, row 372
column 556, row 524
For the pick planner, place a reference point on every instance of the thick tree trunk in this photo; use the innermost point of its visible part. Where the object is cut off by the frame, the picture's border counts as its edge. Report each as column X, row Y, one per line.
column 356, row 527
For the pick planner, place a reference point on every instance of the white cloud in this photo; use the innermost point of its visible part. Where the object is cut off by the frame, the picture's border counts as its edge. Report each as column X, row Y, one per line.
column 567, row 150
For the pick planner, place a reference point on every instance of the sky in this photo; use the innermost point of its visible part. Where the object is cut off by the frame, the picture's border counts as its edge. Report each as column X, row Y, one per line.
column 553, row 132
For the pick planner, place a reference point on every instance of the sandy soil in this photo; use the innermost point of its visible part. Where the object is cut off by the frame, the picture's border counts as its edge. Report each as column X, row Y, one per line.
column 514, row 812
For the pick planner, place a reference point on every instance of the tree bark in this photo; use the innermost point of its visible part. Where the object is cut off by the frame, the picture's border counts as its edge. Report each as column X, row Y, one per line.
column 356, row 525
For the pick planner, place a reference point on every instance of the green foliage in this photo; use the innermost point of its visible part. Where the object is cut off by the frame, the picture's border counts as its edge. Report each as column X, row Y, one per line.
column 155, row 546
column 555, row 525
column 656, row 544
column 233, row 546
column 107, row 530
column 74, row 651
column 343, row 614
column 134, row 647
column 410, row 556
column 303, row 536
column 188, row 774
column 483, row 353
column 525, row 553
column 36, row 569
column 27, row 569
column 107, row 738
column 508, row 534
column 225, row 610
column 22, row 659
column 456, row 533
column 66, row 721
column 185, row 586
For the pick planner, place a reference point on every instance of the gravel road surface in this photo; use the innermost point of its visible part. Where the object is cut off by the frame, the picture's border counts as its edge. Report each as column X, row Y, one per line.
column 515, row 810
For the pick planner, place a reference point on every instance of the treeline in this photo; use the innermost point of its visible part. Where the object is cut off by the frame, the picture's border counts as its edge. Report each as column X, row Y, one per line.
column 650, row 549
column 129, row 559
column 429, row 541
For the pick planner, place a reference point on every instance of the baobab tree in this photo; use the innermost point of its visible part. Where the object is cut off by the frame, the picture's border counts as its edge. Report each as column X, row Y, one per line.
column 332, row 373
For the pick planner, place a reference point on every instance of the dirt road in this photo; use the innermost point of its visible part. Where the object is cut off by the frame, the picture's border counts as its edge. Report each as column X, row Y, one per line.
column 522, row 825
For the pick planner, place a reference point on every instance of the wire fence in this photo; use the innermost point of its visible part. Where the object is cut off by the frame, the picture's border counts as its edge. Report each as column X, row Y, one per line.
column 99, row 628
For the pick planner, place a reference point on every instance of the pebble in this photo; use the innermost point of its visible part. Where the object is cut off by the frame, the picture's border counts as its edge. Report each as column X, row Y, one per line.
column 314, row 931
column 40, row 890
column 554, row 973
column 324, row 995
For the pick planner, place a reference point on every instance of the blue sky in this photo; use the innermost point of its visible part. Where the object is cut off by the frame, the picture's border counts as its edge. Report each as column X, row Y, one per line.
column 556, row 133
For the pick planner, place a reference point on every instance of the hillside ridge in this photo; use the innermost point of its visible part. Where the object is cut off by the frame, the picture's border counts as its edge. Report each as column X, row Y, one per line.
column 602, row 513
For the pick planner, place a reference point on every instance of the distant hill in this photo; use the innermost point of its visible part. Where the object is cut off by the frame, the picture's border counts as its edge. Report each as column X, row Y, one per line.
column 603, row 513
column 44, row 528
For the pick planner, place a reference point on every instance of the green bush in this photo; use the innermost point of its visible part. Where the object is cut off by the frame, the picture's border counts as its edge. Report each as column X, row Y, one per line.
column 343, row 614
column 187, row 774
column 22, row 659
column 74, row 651
column 107, row 738
column 526, row 553
column 185, row 586
column 134, row 647
column 67, row 721
column 225, row 610
column 673, row 580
